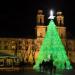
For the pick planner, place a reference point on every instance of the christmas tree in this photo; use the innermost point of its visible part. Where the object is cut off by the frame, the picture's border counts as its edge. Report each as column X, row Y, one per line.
column 52, row 46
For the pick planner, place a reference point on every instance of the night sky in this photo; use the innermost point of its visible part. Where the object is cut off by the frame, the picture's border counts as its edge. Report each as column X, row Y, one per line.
column 18, row 18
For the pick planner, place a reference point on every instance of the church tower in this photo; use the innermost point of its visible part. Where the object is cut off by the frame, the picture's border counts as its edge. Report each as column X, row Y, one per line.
column 60, row 26
column 40, row 28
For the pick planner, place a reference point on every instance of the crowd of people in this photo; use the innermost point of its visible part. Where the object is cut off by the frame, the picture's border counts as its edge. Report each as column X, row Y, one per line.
column 47, row 66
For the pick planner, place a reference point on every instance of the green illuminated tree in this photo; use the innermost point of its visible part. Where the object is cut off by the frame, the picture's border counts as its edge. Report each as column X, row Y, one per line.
column 53, row 46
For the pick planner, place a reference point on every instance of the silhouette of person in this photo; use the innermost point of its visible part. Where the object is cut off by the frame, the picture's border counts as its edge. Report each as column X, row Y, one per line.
column 40, row 65
column 43, row 65
column 65, row 64
column 51, row 65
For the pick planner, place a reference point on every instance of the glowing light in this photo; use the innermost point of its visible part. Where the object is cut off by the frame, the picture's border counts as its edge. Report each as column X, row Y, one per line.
column 51, row 15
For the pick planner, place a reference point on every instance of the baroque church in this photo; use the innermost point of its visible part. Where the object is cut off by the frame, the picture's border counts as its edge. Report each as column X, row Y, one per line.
column 27, row 49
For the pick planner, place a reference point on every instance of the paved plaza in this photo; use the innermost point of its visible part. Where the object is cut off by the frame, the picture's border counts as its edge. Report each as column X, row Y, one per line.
column 30, row 71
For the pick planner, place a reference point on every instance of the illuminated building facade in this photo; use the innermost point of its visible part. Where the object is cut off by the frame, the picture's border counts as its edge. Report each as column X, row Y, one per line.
column 26, row 50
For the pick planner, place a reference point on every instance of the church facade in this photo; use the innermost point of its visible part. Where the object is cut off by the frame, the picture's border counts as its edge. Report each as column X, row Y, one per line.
column 26, row 50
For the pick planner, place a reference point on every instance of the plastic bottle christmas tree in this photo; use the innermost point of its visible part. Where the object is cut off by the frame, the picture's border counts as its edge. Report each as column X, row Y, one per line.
column 52, row 46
